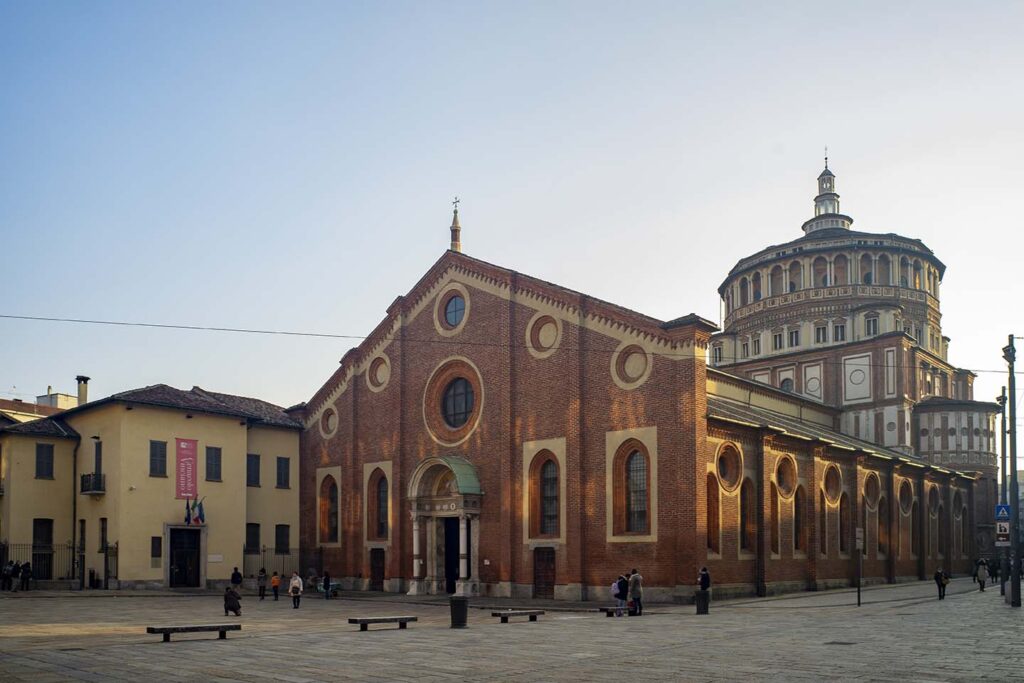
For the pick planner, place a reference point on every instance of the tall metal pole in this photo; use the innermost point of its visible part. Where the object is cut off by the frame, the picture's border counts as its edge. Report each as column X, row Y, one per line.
column 1010, row 353
column 1004, row 560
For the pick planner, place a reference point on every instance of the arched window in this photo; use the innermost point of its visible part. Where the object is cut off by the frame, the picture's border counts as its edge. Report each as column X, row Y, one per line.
column 915, row 537
column 328, row 510
column 636, row 488
column 714, row 524
column 883, row 526
column 840, row 270
column 544, row 493
column 377, row 505
column 963, row 532
column 744, row 293
column 820, row 269
column 748, row 523
column 844, row 523
column 822, row 525
column 775, row 281
column 775, row 518
column 865, row 269
column 755, row 286
column 943, row 524
column 884, row 270
column 799, row 525
column 796, row 276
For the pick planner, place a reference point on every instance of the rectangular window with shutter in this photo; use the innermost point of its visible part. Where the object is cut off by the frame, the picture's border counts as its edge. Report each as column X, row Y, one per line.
column 213, row 463
column 158, row 458
column 44, row 461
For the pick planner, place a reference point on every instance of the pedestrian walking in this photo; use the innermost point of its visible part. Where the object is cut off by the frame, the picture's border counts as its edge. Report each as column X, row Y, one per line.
column 327, row 585
column 940, row 582
column 5, row 576
column 231, row 602
column 636, row 592
column 295, row 589
column 261, row 582
column 275, row 585
column 704, row 579
column 26, row 576
column 982, row 575
column 236, row 580
column 620, row 591
column 15, row 576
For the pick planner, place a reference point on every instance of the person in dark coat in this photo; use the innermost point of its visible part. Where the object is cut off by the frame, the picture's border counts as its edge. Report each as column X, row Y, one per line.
column 231, row 602
column 261, row 582
column 236, row 580
column 940, row 583
column 5, row 577
column 26, row 576
column 327, row 585
column 15, row 575
column 704, row 579
column 623, row 585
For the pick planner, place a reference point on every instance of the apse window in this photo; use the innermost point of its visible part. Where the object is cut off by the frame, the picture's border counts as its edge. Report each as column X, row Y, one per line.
column 839, row 332
column 821, row 334
column 757, row 346
column 457, row 404
column 745, row 350
column 777, row 340
column 794, row 338
column 871, row 327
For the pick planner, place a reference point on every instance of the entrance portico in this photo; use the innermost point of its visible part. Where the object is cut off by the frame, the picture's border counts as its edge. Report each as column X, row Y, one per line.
column 442, row 490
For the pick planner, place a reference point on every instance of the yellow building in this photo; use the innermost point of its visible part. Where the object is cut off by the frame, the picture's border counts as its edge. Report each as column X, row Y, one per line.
column 153, row 487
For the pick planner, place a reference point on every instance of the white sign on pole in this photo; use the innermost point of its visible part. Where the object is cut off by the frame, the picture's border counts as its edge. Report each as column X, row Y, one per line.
column 860, row 538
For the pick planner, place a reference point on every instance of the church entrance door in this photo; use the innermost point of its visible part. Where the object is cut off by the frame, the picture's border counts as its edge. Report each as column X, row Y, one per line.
column 544, row 573
column 377, row 569
column 451, row 553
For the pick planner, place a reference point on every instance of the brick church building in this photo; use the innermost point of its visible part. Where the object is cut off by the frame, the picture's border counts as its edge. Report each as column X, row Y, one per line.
column 501, row 435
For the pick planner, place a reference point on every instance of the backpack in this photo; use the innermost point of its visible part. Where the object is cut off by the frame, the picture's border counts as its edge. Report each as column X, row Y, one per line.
column 615, row 589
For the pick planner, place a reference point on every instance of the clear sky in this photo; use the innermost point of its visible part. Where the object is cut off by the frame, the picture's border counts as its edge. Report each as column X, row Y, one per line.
column 291, row 165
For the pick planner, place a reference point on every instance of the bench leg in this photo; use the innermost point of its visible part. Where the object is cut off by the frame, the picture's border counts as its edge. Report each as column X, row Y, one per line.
column 504, row 620
column 402, row 624
column 533, row 617
column 167, row 637
column 363, row 627
column 609, row 613
column 223, row 635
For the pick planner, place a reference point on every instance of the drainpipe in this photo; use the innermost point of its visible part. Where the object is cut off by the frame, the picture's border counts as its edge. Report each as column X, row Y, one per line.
column 74, row 515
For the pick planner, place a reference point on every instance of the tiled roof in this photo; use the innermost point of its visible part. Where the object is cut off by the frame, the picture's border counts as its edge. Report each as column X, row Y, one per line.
column 48, row 426
column 740, row 412
column 265, row 412
column 200, row 400
column 8, row 405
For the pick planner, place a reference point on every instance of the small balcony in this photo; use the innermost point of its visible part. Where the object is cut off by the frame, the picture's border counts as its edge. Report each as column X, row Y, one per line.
column 94, row 484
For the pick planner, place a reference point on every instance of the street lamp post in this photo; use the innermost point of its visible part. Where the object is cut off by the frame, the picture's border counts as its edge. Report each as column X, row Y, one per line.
column 1010, row 353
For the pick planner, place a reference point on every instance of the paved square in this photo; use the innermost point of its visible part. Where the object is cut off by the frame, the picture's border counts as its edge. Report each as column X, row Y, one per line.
column 900, row 633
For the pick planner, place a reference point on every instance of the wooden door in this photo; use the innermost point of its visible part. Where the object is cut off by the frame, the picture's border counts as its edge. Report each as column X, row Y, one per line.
column 544, row 573
column 377, row 569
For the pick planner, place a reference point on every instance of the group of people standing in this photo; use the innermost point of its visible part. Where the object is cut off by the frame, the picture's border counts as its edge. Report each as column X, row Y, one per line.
column 15, row 574
column 628, row 591
column 233, row 593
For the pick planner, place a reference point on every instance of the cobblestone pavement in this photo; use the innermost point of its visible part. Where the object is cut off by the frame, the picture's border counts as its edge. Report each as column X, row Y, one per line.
column 900, row 633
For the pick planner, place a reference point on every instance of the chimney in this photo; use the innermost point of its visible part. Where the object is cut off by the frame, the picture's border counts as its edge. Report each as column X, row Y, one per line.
column 83, row 389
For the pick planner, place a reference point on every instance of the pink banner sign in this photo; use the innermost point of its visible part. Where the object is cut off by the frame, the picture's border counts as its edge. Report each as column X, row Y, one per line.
column 185, row 473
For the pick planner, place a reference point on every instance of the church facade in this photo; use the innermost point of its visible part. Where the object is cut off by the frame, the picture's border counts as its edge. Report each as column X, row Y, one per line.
column 500, row 435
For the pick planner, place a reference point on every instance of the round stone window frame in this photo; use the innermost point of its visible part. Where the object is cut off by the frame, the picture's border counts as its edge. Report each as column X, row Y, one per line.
column 444, row 374
column 539, row 320
column 619, row 360
column 452, row 289
column 732, row 453
column 324, row 422
column 786, row 482
column 871, row 497
column 906, row 497
column 832, row 483
column 373, row 381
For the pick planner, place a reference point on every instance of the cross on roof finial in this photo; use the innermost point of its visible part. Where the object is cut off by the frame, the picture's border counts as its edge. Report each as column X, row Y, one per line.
column 826, row 156
column 456, row 203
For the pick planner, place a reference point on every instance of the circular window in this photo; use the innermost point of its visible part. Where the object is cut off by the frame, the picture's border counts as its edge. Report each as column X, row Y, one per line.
column 730, row 466
column 977, row 432
column 543, row 334
column 454, row 310
column 379, row 373
column 872, row 490
column 924, row 431
column 328, row 422
column 452, row 401
column 952, row 431
column 630, row 366
column 833, row 483
column 785, row 477
column 906, row 497
column 457, row 405
column 787, row 385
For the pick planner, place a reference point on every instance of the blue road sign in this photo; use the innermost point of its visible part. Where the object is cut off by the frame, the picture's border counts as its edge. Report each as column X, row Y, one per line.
column 1002, row 513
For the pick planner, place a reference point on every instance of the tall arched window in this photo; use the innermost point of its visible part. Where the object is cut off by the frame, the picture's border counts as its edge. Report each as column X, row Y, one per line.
column 915, row 537
column 549, row 498
column 796, row 276
column 377, row 505
column 799, row 523
column 822, row 524
column 844, row 523
column 636, row 492
column 883, row 526
column 841, row 269
column 776, row 542
column 943, row 524
column 744, row 293
column 714, row 523
column 748, row 523
column 328, row 510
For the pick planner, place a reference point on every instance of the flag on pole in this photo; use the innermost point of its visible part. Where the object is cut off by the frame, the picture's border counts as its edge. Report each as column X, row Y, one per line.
column 201, row 515
column 188, row 513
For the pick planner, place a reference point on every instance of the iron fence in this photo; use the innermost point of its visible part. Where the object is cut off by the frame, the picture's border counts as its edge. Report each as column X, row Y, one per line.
column 282, row 561
column 49, row 561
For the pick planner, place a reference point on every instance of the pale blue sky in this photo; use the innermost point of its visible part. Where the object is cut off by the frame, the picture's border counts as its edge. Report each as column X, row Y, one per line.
column 290, row 165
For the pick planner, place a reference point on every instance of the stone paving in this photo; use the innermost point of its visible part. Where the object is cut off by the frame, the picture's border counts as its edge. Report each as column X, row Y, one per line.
column 900, row 633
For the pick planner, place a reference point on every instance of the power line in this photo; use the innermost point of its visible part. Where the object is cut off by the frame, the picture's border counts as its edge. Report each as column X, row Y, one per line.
column 356, row 337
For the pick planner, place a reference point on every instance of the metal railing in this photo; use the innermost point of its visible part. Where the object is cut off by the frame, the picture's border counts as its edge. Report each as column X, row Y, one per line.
column 279, row 560
column 48, row 561
column 94, row 483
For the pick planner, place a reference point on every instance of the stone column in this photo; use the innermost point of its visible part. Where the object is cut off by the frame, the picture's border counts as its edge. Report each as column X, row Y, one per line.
column 417, row 559
column 463, row 546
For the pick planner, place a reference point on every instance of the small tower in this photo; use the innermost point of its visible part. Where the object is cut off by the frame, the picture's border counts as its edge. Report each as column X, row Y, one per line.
column 456, row 229
column 826, row 205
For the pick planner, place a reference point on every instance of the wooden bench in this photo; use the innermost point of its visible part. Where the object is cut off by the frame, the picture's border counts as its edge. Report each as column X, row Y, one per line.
column 168, row 630
column 364, row 622
column 612, row 611
column 505, row 614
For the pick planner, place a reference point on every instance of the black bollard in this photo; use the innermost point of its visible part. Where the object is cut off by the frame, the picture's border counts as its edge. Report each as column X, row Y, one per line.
column 703, row 600
column 460, row 609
